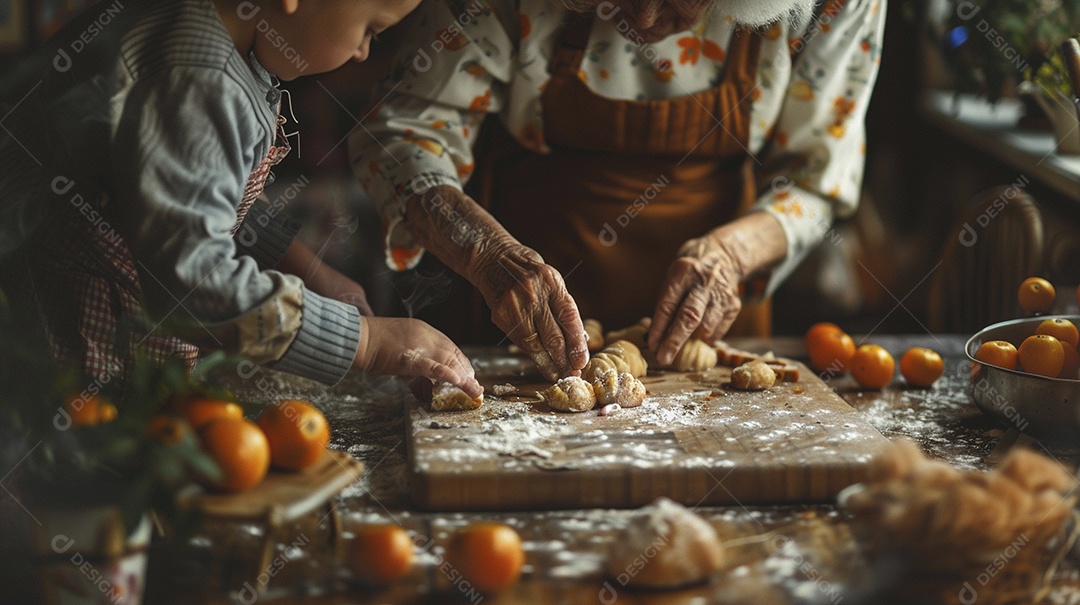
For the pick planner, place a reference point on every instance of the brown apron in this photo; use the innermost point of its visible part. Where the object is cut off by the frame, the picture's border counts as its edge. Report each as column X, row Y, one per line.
column 627, row 182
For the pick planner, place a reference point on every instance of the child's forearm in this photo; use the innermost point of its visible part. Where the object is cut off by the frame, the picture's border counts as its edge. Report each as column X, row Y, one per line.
column 321, row 278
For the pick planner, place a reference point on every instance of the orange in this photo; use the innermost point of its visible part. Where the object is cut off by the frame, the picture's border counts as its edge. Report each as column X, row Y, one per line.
column 829, row 347
column 199, row 411
column 872, row 366
column 297, row 432
column 1041, row 354
column 921, row 367
column 1061, row 329
column 381, row 554
column 240, row 450
column 89, row 411
column 1070, row 366
column 488, row 555
column 998, row 353
column 1036, row 295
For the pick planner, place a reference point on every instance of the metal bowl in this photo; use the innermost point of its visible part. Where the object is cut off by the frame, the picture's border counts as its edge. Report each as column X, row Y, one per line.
column 1036, row 405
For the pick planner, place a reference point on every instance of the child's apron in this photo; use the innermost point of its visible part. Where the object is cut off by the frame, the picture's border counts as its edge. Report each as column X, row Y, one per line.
column 684, row 161
column 87, row 291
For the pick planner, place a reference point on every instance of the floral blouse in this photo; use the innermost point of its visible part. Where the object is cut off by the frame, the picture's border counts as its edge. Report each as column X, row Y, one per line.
column 468, row 58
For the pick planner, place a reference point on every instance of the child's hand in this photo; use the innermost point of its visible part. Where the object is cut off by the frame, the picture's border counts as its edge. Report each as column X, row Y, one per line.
column 409, row 347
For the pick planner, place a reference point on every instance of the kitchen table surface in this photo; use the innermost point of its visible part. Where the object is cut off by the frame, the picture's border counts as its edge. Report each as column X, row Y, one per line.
column 777, row 554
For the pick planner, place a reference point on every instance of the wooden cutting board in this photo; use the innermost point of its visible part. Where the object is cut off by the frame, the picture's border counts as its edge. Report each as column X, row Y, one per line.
column 696, row 440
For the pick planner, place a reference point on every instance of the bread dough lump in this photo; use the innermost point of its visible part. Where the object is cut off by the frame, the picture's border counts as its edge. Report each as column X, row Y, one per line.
column 623, row 389
column 446, row 397
column 694, row 356
column 753, row 376
column 665, row 547
column 621, row 356
column 570, row 394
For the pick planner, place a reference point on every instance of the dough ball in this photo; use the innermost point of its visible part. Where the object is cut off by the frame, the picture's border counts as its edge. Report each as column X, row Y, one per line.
column 595, row 332
column 753, row 376
column 446, row 397
column 631, row 354
column 604, row 362
column 620, row 356
column 622, row 389
column 694, row 356
column 635, row 334
column 570, row 394
column 677, row 546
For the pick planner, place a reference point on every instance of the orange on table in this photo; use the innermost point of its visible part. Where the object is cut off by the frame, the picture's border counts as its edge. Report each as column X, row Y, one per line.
column 488, row 555
column 829, row 347
column 872, row 366
column 1070, row 367
column 1061, row 329
column 240, row 450
column 921, row 367
column 381, row 554
column 297, row 432
column 89, row 411
column 200, row 411
column 1041, row 354
column 1000, row 353
column 1036, row 295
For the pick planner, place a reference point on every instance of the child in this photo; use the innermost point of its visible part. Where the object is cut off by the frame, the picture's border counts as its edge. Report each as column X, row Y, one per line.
column 135, row 148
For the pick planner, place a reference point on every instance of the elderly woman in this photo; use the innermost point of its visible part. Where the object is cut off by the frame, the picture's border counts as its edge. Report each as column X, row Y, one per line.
column 647, row 157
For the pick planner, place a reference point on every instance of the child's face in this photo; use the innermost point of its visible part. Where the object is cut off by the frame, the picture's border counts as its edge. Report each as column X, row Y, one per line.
column 315, row 36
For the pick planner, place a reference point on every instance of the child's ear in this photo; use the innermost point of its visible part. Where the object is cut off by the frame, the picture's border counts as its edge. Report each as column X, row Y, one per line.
column 290, row 6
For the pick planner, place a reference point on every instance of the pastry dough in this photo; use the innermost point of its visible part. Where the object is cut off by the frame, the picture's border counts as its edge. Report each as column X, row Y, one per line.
column 570, row 394
column 446, row 397
column 621, row 356
column 665, row 547
column 694, row 356
column 595, row 332
column 635, row 334
column 623, row 389
column 753, row 376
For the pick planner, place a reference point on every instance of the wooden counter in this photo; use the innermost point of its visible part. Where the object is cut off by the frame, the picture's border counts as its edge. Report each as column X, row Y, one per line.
column 807, row 554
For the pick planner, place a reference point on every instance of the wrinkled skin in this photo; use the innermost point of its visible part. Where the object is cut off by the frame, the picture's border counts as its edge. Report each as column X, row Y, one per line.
column 531, row 305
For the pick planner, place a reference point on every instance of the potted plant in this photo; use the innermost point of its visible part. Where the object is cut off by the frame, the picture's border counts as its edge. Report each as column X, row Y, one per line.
column 1054, row 89
column 81, row 473
column 989, row 44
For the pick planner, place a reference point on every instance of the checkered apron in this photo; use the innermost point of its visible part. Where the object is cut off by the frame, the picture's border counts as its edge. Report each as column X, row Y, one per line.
column 87, row 291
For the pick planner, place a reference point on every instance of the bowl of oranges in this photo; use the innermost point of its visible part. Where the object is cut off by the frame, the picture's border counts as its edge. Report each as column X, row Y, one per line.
column 1026, row 372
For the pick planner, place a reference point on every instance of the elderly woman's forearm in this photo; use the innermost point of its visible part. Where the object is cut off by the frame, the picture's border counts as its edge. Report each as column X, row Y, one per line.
column 756, row 241
column 454, row 228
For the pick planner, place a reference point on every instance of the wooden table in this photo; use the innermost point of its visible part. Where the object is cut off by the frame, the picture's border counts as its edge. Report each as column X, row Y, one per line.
column 808, row 554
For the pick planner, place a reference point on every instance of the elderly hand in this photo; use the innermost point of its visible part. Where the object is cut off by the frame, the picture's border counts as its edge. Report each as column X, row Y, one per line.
column 527, row 297
column 701, row 296
column 529, row 302
column 397, row 346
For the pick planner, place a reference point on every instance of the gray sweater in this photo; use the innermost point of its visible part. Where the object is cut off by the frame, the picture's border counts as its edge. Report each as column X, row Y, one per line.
column 150, row 110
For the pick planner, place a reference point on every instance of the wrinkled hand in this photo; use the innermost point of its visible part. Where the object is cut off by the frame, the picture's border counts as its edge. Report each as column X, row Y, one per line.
column 700, row 298
column 530, row 304
column 409, row 348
